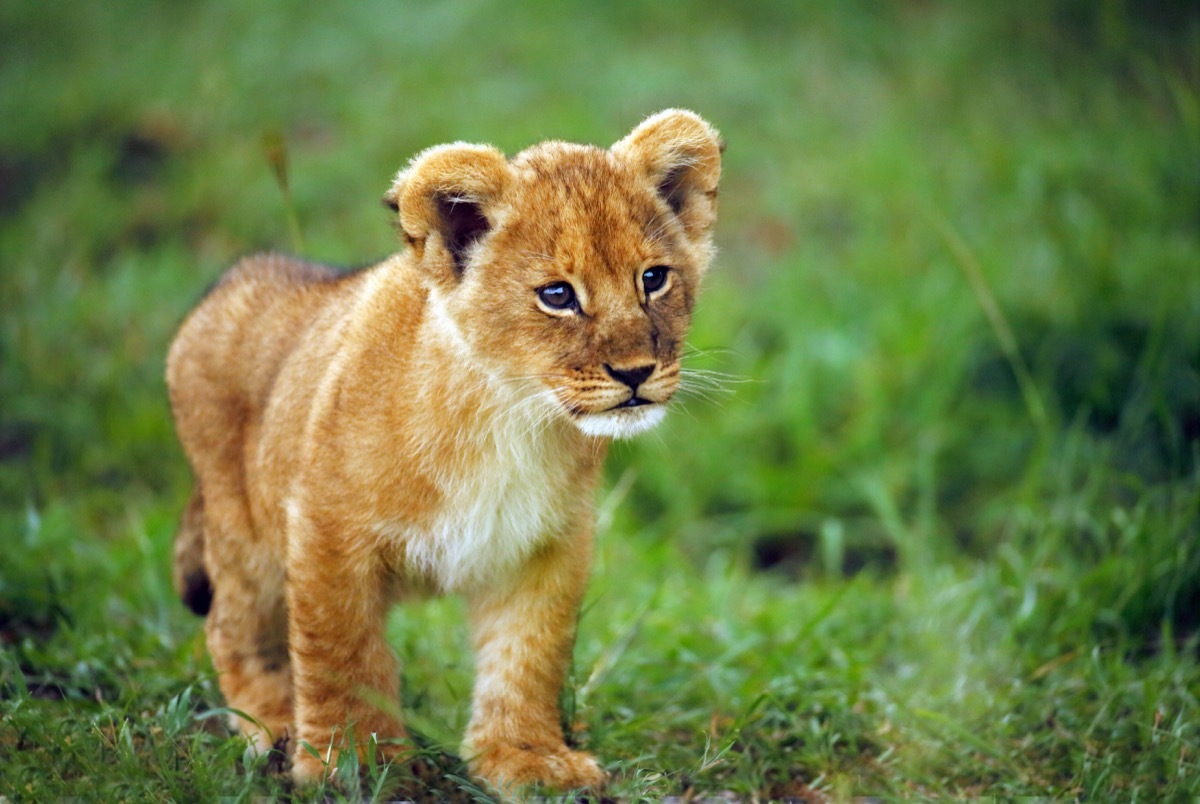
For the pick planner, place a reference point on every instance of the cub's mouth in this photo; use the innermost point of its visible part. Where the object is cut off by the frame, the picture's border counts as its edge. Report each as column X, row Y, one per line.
column 617, row 403
column 633, row 402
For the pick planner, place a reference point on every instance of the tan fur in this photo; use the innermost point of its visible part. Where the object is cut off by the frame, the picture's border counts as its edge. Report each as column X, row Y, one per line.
column 430, row 425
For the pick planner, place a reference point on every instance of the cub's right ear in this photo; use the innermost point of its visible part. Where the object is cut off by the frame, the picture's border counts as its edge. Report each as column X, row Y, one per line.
column 679, row 154
column 446, row 201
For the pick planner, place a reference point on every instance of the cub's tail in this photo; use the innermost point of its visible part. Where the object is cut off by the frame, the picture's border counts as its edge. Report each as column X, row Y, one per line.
column 191, row 579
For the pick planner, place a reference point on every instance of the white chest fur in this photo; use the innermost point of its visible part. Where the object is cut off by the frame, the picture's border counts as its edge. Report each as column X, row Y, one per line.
column 511, row 492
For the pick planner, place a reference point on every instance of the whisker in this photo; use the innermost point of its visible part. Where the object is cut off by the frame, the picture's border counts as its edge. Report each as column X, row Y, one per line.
column 687, row 394
column 707, row 381
column 707, row 385
column 687, row 404
column 690, row 350
column 714, row 379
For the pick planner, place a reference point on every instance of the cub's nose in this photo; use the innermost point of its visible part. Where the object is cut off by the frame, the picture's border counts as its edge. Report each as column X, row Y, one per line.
column 633, row 377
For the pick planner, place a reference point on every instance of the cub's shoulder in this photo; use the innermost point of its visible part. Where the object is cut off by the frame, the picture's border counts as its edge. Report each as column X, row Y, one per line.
column 254, row 314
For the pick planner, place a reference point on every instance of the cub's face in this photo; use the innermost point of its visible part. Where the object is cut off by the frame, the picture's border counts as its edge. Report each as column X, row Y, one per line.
column 585, row 289
column 571, row 277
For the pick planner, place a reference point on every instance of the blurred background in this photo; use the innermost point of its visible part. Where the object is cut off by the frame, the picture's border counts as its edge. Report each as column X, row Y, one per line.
column 957, row 301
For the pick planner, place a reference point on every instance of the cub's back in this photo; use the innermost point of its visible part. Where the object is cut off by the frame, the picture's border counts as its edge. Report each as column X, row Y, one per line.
column 225, row 358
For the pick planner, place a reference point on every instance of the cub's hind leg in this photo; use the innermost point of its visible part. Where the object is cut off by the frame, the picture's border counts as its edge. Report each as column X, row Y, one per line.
column 219, row 370
column 247, row 625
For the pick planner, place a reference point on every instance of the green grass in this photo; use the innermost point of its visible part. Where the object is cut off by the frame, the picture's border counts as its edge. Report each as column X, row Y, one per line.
column 940, row 539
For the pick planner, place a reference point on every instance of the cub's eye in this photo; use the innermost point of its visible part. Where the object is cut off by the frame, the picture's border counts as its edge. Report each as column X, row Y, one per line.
column 557, row 296
column 654, row 278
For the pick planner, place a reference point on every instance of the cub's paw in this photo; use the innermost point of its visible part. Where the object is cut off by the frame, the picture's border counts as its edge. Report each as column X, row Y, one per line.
column 308, row 770
column 508, row 767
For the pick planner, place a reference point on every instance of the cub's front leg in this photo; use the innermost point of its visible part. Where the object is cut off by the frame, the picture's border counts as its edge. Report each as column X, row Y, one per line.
column 345, row 674
column 523, row 634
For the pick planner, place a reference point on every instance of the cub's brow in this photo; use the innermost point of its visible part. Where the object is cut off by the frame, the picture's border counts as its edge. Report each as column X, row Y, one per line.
column 537, row 255
column 656, row 230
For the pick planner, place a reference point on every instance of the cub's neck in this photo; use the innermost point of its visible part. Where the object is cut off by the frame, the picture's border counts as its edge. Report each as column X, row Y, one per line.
column 456, row 409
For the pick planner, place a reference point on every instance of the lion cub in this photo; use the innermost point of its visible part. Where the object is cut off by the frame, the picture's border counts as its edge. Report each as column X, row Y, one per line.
column 435, row 423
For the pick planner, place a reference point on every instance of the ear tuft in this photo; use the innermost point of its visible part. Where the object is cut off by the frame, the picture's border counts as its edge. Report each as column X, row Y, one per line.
column 680, row 155
column 449, row 192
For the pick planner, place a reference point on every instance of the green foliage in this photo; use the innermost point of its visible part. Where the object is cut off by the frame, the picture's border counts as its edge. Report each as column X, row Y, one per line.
column 937, row 533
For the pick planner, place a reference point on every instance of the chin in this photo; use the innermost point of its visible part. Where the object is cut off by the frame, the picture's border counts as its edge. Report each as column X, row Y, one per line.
column 621, row 422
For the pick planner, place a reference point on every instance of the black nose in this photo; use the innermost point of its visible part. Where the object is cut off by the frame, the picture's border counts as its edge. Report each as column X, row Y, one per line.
column 632, row 377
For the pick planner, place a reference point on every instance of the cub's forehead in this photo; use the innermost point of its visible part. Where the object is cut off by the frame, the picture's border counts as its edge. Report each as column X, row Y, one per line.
column 578, row 197
column 580, row 178
column 554, row 158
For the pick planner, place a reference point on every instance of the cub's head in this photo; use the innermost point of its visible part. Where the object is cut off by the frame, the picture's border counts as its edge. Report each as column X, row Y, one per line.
column 569, row 273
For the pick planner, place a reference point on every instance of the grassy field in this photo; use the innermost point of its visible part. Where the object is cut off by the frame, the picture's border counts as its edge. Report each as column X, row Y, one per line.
column 938, row 537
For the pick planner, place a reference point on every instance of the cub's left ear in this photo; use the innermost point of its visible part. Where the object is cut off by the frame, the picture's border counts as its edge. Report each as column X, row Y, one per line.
column 680, row 155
